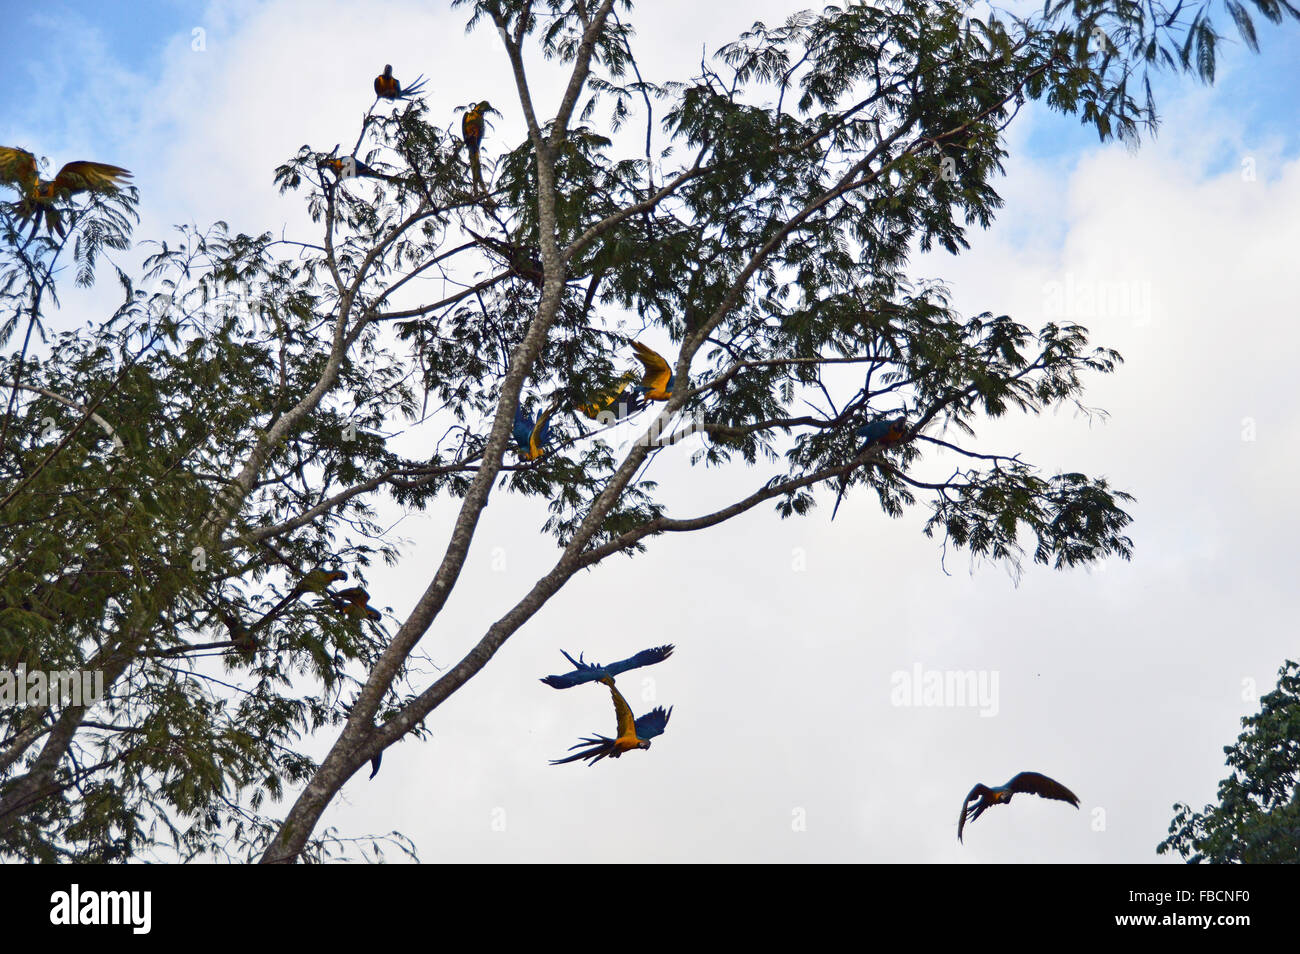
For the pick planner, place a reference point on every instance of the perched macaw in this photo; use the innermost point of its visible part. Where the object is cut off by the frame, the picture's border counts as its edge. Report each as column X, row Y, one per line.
column 880, row 431
column 38, row 196
column 349, row 167
column 531, row 437
column 241, row 637
column 630, row 734
column 620, row 399
column 387, row 87
column 319, row 580
column 244, row 641
column 471, row 130
column 657, row 383
column 352, row 602
column 584, row 671
column 1030, row 782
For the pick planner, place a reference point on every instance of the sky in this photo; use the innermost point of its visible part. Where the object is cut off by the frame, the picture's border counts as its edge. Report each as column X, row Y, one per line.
column 791, row 738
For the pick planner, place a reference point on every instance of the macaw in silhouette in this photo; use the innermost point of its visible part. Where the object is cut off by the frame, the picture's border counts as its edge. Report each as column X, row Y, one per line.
column 657, row 383
column 387, row 86
column 883, row 431
column 531, row 437
column 584, row 671
column 241, row 637
column 630, row 733
column 620, row 400
column 38, row 196
column 471, row 130
column 352, row 603
column 984, row 797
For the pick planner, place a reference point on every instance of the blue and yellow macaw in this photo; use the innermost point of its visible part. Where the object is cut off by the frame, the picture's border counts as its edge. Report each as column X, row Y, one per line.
column 1030, row 782
column 316, row 581
column 630, row 734
column 657, row 383
column 37, row 196
column 349, row 167
column 319, row 580
column 531, row 437
column 584, row 671
column 471, row 130
column 353, row 603
column 387, row 87
column 882, row 431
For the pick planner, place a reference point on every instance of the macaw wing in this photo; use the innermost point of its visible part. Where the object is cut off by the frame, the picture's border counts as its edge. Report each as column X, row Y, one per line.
column 583, row 671
column 522, row 431
column 622, row 711
column 540, row 435
column 354, row 594
column 618, row 396
column 969, row 811
column 1041, row 785
column 646, row 657
column 653, row 723
column 18, row 169
column 84, row 176
column 594, row 748
column 657, row 372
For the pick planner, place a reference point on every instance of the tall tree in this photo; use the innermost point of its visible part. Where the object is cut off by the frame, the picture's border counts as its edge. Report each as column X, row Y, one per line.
column 172, row 476
column 1257, row 819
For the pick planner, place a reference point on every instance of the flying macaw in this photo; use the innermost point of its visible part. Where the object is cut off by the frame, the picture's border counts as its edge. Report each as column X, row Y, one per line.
column 657, row 383
column 631, row 733
column 883, row 431
column 387, row 87
column 352, row 603
column 531, row 437
column 584, row 671
column 622, row 399
column 38, row 196
column 1030, row 782
column 471, row 130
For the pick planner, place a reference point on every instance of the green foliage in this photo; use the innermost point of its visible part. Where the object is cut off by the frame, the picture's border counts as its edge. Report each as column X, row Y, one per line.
column 1257, row 818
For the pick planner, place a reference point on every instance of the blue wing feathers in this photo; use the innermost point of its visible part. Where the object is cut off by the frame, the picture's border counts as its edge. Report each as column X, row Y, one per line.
column 592, row 672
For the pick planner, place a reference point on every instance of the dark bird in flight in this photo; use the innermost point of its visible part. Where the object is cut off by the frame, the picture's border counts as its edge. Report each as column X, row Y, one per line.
column 630, row 733
column 592, row 672
column 984, row 797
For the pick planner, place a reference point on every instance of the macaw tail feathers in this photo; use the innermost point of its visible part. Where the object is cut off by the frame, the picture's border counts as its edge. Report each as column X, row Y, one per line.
column 415, row 88
column 476, row 169
column 375, row 763
column 594, row 748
